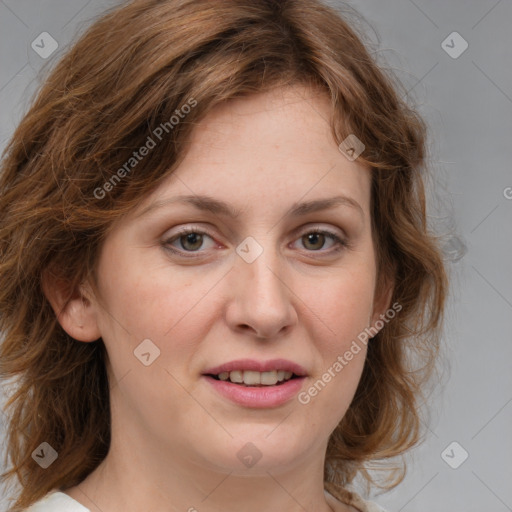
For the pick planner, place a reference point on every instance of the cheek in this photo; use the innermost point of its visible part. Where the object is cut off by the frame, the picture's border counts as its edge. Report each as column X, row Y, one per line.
column 150, row 303
column 343, row 314
column 341, row 307
column 156, row 302
column 144, row 296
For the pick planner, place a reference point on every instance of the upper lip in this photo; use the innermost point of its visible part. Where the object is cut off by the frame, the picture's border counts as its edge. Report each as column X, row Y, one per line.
column 258, row 366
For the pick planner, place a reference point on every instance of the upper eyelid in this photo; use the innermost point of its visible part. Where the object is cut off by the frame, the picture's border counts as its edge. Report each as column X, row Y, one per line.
column 304, row 229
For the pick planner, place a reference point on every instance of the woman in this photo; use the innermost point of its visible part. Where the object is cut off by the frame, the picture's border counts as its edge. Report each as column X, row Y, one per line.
column 216, row 269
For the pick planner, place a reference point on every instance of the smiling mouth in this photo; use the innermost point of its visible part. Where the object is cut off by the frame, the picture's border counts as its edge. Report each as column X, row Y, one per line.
column 250, row 378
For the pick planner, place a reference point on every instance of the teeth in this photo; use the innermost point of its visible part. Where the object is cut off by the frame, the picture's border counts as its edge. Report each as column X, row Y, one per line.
column 236, row 376
column 269, row 378
column 253, row 378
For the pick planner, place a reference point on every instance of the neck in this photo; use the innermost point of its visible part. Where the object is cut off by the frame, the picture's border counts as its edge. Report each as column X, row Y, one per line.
column 134, row 480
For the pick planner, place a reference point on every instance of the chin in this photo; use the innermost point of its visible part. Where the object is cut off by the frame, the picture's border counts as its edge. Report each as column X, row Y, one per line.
column 258, row 449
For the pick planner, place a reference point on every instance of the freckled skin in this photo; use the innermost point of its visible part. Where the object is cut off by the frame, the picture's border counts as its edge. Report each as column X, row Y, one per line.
column 174, row 438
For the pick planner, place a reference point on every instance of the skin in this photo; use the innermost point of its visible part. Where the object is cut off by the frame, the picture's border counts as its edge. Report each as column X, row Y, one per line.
column 174, row 439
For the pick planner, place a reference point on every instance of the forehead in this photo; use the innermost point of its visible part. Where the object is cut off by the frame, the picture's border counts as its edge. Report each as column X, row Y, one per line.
column 294, row 120
column 269, row 148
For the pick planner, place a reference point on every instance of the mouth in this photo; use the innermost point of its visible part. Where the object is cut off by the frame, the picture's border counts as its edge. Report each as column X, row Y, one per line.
column 257, row 384
column 250, row 378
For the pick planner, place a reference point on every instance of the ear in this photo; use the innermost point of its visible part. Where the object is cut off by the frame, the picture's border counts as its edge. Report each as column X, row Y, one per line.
column 382, row 302
column 74, row 308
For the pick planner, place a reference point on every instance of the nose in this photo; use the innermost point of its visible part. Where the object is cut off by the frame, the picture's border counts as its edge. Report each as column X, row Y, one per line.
column 261, row 298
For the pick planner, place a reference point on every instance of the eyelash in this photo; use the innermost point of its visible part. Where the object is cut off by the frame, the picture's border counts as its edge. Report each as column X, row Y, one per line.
column 341, row 243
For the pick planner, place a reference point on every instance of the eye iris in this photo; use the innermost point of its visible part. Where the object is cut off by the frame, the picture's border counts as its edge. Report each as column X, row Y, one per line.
column 311, row 237
column 194, row 238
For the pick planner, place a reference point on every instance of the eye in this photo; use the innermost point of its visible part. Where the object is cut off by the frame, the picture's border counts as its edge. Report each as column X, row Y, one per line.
column 189, row 240
column 314, row 240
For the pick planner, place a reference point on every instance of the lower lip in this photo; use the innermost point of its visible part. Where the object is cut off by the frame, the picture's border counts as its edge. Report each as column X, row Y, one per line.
column 257, row 397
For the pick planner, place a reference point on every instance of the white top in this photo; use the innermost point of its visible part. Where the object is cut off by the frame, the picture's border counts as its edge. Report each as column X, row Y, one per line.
column 57, row 501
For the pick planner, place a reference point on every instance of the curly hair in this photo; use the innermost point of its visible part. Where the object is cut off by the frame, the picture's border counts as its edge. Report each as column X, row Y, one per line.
column 101, row 100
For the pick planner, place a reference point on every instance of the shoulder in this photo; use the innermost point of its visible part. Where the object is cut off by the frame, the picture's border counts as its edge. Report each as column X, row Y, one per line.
column 57, row 501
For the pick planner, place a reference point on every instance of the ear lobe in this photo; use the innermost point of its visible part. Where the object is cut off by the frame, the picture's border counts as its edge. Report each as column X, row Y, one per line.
column 75, row 312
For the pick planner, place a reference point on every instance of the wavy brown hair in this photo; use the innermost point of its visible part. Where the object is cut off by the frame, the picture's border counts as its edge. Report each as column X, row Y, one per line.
column 126, row 75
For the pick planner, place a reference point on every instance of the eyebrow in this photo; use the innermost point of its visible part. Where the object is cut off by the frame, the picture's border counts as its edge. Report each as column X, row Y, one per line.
column 215, row 206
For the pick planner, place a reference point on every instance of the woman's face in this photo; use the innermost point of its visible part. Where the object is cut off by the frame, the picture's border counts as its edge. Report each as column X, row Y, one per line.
column 247, row 295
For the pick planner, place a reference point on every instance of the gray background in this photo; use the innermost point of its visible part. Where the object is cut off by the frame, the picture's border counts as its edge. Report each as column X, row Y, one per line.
column 467, row 102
